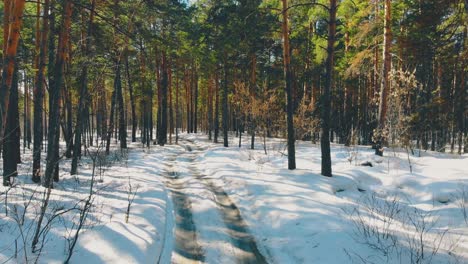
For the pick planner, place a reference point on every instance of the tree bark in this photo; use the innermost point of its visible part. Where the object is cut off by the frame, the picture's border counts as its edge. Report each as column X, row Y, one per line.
column 121, row 106
column 132, row 100
column 216, row 110
column 54, row 94
column 289, row 93
column 11, row 142
column 13, row 18
column 385, row 84
column 83, row 101
column 326, row 100
column 162, row 135
column 225, row 114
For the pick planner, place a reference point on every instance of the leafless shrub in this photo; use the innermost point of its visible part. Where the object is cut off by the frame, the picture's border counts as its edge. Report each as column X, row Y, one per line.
column 85, row 209
column 400, row 232
column 353, row 148
column 463, row 201
column 425, row 240
column 131, row 193
column 374, row 223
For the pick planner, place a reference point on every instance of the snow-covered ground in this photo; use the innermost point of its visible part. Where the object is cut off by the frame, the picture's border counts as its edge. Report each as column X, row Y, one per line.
column 105, row 237
column 363, row 214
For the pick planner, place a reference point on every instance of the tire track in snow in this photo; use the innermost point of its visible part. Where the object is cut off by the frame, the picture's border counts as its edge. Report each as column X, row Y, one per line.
column 246, row 248
column 186, row 247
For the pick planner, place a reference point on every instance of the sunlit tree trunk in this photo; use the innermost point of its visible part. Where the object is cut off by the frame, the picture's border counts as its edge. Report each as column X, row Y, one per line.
column 13, row 18
column 385, row 84
column 54, row 94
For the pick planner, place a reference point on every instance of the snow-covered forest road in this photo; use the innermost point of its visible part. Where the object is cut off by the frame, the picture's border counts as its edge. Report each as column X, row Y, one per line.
column 224, row 224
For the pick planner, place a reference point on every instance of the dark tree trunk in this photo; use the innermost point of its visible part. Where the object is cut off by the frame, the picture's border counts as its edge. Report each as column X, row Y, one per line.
column 162, row 135
column 195, row 99
column 216, row 115
column 83, row 101
column 110, row 128
column 54, row 99
column 326, row 100
column 121, row 109
column 171, row 107
column 289, row 92
column 210, row 109
column 39, row 98
column 68, row 132
column 11, row 141
column 13, row 18
column 132, row 100
column 225, row 114
column 177, row 121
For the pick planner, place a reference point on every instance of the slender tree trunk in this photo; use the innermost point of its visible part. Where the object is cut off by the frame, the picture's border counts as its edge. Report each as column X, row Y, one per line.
column 253, row 94
column 121, row 109
column 385, row 84
column 11, row 142
column 177, row 121
column 132, row 100
column 326, row 108
column 13, row 18
column 163, row 102
column 54, row 100
column 225, row 114
column 83, row 101
column 171, row 108
column 462, row 96
column 195, row 110
column 216, row 116
column 110, row 128
column 210, row 108
column 69, row 129
column 289, row 93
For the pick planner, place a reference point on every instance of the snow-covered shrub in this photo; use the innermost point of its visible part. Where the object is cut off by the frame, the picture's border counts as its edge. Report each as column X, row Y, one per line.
column 463, row 201
column 400, row 232
column 375, row 222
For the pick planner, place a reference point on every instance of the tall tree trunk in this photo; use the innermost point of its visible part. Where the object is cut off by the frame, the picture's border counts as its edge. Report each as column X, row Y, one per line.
column 132, row 100
column 216, row 115
column 11, row 142
column 462, row 96
column 187, row 98
column 195, row 99
column 13, row 18
column 162, row 135
column 177, row 121
column 38, row 95
column 54, row 94
column 68, row 132
column 289, row 93
column 210, row 108
column 385, row 84
column 171, row 108
column 326, row 100
column 225, row 114
column 253, row 94
column 121, row 109
column 110, row 128
column 83, row 101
